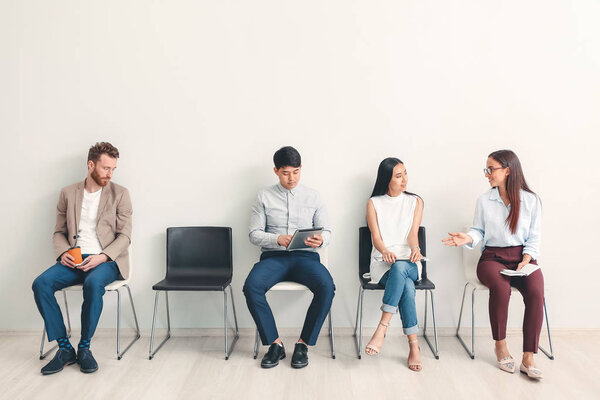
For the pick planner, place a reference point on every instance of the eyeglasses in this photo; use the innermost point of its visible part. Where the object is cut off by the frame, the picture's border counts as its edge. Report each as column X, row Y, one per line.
column 489, row 171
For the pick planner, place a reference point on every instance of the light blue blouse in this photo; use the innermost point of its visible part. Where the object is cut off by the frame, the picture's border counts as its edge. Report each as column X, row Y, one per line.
column 489, row 223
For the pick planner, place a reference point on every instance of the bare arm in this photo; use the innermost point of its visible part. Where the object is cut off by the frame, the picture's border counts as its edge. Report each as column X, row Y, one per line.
column 413, row 235
column 388, row 256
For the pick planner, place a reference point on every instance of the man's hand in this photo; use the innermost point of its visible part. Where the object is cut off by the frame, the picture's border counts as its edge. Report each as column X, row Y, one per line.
column 284, row 240
column 314, row 241
column 93, row 261
column 67, row 260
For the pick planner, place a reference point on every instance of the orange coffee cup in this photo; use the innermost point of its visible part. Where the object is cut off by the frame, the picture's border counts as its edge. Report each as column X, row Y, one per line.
column 76, row 253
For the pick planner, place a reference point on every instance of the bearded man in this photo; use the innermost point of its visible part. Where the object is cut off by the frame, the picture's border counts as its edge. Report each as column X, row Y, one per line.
column 94, row 215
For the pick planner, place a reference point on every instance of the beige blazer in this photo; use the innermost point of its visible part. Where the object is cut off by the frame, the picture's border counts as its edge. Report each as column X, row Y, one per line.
column 113, row 226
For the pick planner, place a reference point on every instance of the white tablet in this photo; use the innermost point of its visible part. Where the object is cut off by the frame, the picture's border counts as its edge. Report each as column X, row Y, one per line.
column 297, row 242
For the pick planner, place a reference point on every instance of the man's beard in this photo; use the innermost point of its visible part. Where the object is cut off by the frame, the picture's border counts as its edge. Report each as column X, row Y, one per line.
column 100, row 181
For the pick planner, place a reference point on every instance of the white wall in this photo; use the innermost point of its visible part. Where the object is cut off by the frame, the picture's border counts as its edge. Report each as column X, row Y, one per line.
column 198, row 95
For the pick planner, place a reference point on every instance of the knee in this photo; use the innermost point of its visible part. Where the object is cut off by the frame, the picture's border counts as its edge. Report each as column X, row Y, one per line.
column 40, row 284
column 93, row 288
column 535, row 294
column 400, row 268
column 251, row 287
column 326, row 287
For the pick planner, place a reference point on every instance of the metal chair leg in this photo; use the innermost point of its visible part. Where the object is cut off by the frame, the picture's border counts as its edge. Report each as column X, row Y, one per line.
column 137, row 327
column 361, row 299
column 42, row 345
column 470, row 352
column 256, row 344
column 237, row 331
column 152, row 353
column 550, row 354
column 226, row 327
column 331, row 341
column 228, row 350
column 118, row 323
column 435, row 351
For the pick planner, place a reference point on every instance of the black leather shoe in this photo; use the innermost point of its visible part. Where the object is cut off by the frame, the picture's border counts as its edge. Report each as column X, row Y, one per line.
column 271, row 359
column 61, row 358
column 87, row 363
column 300, row 356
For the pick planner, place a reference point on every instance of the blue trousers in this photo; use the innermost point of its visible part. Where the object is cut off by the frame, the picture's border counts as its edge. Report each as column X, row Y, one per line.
column 399, row 282
column 299, row 266
column 59, row 277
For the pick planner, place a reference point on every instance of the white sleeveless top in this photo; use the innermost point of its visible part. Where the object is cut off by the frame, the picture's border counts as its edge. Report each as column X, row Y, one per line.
column 395, row 217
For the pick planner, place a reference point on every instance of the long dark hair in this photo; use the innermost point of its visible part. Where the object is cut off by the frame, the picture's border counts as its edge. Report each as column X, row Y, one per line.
column 384, row 176
column 515, row 181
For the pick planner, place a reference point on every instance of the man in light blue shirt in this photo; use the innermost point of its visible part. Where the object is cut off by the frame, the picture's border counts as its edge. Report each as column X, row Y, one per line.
column 277, row 213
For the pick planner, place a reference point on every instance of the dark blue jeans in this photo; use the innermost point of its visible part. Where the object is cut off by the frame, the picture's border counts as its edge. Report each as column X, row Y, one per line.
column 303, row 267
column 59, row 277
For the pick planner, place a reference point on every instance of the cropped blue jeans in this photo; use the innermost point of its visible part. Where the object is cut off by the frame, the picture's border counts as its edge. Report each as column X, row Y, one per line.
column 399, row 283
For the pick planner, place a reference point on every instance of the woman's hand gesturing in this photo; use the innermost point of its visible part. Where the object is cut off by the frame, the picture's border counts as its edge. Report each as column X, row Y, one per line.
column 457, row 239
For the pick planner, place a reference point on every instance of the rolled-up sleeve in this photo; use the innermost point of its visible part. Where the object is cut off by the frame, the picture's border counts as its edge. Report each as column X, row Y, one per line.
column 478, row 229
column 321, row 219
column 258, row 223
column 532, row 243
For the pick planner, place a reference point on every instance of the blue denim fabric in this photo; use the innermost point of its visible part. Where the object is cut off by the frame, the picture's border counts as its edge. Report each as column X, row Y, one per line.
column 59, row 277
column 399, row 283
column 297, row 266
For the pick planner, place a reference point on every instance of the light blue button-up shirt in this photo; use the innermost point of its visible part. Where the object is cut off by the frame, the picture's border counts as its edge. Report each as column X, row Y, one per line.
column 279, row 211
column 489, row 223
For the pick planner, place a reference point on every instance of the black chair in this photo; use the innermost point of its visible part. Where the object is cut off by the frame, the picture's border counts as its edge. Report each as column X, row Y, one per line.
column 199, row 258
column 364, row 261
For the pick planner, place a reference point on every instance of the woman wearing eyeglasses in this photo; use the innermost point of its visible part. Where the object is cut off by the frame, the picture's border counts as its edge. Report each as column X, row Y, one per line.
column 394, row 216
column 508, row 222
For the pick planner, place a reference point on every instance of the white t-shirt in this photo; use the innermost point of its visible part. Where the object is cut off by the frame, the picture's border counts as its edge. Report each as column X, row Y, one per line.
column 87, row 236
column 395, row 218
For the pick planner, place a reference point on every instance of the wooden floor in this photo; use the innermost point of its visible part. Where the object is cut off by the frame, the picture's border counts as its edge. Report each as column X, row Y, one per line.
column 194, row 368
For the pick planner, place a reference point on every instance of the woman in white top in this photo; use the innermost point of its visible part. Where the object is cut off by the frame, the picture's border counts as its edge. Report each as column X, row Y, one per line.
column 508, row 222
column 394, row 216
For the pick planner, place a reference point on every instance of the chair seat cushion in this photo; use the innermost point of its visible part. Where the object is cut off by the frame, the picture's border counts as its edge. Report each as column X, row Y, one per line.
column 119, row 283
column 422, row 284
column 193, row 284
column 287, row 285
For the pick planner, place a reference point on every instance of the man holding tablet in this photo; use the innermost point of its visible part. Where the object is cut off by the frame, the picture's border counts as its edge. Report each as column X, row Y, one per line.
column 277, row 214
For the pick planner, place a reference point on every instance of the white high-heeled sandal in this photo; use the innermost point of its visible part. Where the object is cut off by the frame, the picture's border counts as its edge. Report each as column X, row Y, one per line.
column 415, row 366
column 375, row 349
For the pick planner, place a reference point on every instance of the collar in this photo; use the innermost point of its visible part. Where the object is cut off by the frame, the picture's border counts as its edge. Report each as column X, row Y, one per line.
column 286, row 191
column 495, row 194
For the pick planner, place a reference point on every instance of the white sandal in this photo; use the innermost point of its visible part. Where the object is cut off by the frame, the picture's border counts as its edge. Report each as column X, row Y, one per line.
column 531, row 372
column 416, row 366
column 374, row 348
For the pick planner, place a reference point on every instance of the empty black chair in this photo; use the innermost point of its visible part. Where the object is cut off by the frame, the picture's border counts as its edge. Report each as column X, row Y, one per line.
column 199, row 258
column 364, row 261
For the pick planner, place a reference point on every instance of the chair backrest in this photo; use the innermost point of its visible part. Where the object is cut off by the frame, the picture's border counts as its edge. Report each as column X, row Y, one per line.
column 199, row 251
column 470, row 259
column 365, row 245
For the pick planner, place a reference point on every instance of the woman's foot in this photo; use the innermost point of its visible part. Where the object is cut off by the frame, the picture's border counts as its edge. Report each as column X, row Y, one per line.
column 374, row 345
column 414, row 356
column 505, row 361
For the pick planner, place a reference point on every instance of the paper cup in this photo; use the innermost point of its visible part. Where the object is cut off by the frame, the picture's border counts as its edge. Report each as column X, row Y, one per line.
column 76, row 253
